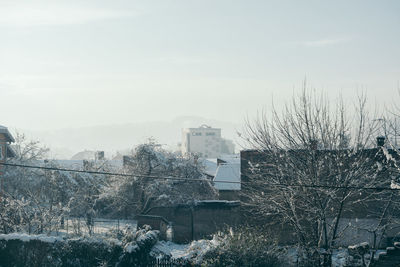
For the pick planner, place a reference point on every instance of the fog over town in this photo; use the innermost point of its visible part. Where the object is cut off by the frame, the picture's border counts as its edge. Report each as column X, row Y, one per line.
column 199, row 133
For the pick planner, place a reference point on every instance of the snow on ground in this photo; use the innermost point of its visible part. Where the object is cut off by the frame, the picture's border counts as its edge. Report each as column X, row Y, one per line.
column 339, row 257
column 26, row 238
column 195, row 250
column 131, row 247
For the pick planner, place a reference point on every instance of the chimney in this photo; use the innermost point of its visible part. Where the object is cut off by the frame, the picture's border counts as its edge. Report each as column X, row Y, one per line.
column 86, row 165
column 380, row 141
column 126, row 161
column 314, row 144
column 99, row 155
column 195, row 159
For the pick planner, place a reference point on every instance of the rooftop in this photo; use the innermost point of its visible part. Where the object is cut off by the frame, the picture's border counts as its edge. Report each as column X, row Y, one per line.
column 230, row 173
column 9, row 137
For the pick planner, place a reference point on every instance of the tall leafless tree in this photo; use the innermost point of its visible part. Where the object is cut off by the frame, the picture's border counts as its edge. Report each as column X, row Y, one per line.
column 314, row 161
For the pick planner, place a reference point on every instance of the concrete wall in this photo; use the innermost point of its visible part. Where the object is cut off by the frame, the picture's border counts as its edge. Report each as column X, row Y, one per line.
column 356, row 230
column 232, row 195
column 192, row 222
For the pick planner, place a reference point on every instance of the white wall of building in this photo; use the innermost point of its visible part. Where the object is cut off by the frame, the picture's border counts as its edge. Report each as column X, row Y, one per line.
column 203, row 141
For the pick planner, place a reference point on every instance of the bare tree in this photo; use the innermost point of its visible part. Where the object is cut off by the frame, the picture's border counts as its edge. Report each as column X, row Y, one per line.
column 312, row 161
column 27, row 149
column 132, row 195
column 39, row 199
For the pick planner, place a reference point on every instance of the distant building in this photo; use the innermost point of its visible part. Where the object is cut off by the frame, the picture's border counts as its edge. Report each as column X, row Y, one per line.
column 5, row 139
column 5, row 152
column 205, row 142
column 85, row 155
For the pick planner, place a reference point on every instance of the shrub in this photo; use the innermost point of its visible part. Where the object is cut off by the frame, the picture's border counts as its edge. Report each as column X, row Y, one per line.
column 243, row 247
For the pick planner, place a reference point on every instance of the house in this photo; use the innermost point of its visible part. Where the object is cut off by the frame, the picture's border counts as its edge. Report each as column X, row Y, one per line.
column 360, row 219
column 224, row 172
column 5, row 140
column 227, row 178
column 227, row 181
column 5, row 150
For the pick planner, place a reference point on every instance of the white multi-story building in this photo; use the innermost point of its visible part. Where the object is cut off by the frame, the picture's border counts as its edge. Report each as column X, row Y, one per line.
column 205, row 142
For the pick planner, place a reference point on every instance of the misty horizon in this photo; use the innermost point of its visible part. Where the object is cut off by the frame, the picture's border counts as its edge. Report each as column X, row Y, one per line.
column 66, row 142
column 84, row 63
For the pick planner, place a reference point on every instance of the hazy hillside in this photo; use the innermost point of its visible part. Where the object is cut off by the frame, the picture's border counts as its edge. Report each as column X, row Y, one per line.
column 66, row 142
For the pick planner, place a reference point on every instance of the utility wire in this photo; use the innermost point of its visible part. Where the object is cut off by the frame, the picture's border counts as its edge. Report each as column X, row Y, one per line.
column 336, row 187
column 196, row 179
column 113, row 173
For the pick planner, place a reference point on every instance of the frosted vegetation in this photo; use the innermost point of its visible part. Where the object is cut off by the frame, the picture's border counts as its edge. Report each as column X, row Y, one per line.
column 39, row 201
column 73, row 209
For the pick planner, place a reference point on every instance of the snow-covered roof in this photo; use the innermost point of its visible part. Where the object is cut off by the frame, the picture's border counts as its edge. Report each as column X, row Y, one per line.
column 9, row 137
column 210, row 166
column 86, row 154
column 230, row 158
column 229, row 172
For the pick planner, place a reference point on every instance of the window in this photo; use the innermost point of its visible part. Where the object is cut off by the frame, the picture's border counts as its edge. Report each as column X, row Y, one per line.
column 1, row 153
column 196, row 134
column 210, row 134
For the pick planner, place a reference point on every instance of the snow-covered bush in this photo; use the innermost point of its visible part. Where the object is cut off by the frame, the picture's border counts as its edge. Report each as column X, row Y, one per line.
column 191, row 253
column 38, row 200
column 41, row 250
column 243, row 247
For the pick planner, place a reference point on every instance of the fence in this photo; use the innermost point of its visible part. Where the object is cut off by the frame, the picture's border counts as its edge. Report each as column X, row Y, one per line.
column 95, row 225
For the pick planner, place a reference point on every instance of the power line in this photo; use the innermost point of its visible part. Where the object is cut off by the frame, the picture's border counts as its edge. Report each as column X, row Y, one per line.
column 335, row 187
column 113, row 173
column 187, row 179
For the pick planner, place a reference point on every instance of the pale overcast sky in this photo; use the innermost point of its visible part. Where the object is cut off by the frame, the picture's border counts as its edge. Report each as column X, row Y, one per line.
column 80, row 63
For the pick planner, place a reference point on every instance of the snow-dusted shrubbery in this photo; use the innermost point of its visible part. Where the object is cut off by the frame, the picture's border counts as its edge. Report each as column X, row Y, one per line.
column 243, row 247
column 37, row 200
column 193, row 252
column 41, row 250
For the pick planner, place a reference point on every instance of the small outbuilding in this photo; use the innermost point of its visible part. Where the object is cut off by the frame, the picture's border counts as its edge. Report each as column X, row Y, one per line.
column 227, row 181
